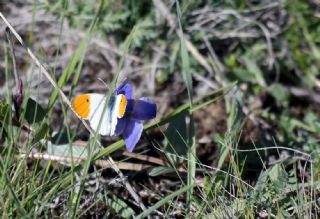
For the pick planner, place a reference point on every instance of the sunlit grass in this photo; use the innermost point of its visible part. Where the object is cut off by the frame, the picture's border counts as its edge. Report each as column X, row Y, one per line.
column 284, row 178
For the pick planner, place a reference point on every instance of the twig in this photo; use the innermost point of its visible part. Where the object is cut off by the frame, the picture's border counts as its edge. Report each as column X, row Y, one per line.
column 66, row 100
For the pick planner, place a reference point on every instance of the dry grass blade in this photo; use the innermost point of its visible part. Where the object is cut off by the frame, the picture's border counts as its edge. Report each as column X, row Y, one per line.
column 145, row 158
column 125, row 165
column 78, row 160
column 16, row 77
column 46, row 156
column 66, row 100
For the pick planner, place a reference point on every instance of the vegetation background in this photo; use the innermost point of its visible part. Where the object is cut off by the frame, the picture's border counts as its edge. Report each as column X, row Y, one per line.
column 236, row 83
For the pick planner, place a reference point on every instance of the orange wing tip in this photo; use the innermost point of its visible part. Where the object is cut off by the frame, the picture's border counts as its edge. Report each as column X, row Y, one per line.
column 122, row 106
column 81, row 105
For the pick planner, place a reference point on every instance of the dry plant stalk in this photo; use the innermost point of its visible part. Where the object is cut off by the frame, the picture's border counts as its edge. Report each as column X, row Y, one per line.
column 78, row 160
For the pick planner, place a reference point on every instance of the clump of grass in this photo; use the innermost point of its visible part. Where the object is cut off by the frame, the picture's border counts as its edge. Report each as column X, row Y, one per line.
column 265, row 162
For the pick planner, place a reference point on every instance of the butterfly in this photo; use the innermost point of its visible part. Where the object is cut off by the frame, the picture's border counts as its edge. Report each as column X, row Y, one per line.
column 121, row 115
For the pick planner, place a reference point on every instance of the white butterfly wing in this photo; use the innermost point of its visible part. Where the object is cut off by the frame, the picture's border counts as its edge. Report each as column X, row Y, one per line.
column 107, row 119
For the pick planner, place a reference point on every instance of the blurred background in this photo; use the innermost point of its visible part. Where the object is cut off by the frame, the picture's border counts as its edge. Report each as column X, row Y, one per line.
column 269, row 49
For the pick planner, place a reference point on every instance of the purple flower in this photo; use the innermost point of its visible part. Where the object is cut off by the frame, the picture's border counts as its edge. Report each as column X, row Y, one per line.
column 130, row 126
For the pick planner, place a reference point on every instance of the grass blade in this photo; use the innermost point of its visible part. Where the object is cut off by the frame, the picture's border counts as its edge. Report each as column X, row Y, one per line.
column 191, row 134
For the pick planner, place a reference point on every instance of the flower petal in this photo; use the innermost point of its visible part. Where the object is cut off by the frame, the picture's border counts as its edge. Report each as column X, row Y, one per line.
column 130, row 105
column 125, row 89
column 121, row 125
column 144, row 109
column 132, row 134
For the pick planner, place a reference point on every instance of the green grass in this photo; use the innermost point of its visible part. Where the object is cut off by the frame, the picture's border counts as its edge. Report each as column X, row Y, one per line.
column 262, row 162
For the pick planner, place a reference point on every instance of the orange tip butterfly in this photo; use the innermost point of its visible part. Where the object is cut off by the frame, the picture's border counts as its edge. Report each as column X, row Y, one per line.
column 122, row 115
